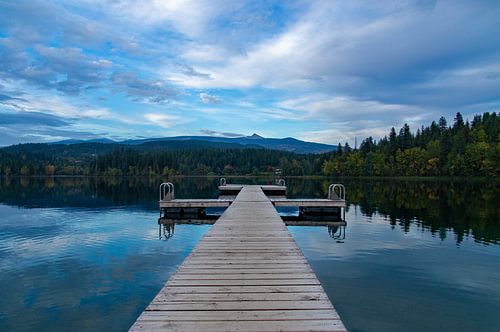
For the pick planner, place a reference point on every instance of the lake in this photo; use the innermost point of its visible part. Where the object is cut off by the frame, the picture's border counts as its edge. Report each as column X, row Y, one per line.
column 88, row 254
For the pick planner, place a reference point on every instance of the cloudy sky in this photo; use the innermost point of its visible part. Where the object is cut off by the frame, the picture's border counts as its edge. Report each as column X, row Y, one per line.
column 324, row 71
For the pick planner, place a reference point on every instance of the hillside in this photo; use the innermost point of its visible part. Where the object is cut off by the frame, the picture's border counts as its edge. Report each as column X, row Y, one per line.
column 284, row 144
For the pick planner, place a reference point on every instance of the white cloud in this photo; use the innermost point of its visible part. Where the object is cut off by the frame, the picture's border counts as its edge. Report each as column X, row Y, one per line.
column 97, row 113
column 55, row 105
column 203, row 53
column 343, row 118
column 209, row 99
column 188, row 17
column 342, row 133
column 342, row 107
column 163, row 120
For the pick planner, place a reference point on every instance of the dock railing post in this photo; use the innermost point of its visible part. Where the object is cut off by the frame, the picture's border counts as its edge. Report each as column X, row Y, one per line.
column 222, row 181
column 166, row 192
column 332, row 194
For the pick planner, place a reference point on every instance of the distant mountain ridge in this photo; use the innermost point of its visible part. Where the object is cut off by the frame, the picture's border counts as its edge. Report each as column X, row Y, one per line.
column 285, row 144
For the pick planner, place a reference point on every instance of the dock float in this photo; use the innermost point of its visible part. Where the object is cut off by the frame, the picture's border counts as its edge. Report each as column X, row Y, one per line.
column 246, row 274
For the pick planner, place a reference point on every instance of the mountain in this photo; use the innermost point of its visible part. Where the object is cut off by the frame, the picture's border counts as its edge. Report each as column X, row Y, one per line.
column 187, row 142
column 255, row 136
column 78, row 141
column 284, row 144
column 90, row 149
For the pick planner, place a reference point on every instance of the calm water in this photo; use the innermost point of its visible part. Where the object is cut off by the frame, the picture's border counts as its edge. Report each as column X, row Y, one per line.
column 86, row 254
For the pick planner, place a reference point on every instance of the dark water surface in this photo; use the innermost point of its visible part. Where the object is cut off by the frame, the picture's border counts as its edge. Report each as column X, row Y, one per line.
column 85, row 254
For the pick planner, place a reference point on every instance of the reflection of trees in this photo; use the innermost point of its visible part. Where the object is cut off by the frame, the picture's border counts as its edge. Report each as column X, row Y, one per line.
column 465, row 207
column 97, row 191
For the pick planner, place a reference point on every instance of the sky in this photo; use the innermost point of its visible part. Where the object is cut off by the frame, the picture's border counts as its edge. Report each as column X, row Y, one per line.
column 322, row 71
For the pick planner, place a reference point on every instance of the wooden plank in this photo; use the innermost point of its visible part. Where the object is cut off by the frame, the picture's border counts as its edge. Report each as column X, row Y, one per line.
column 242, row 276
column 248, row 245
column 242, row 289
column 242, row 325
column 251, row 255
column 231, row 252
column 249, row 260
column 269, row 270
column 173, row 297
column 241, row 305
column 245, row 262
column 245, row 246
column 237, row 315
column 195, row 203
column 247, row 255
column 309, row 202
column 247, row 267
column 243, row 239
column 255, row 282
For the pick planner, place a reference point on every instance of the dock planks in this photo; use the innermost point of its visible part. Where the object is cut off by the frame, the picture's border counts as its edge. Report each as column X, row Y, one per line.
column 246, row 274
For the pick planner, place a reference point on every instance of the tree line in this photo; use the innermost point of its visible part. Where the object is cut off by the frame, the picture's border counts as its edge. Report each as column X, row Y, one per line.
column 461, row 149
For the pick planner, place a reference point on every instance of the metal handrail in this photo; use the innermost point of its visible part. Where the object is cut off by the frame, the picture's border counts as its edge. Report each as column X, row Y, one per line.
column 222, row 181
column 281, row 182
column 167, row 191
column 331, row 191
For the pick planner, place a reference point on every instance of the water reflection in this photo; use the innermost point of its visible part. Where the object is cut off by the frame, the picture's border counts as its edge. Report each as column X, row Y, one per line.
column 337, row 233
column 464, row 208
column 166, row 231
column 335, row 227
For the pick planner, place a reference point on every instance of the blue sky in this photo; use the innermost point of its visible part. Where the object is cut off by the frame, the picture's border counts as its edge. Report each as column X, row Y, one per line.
column 324, row 71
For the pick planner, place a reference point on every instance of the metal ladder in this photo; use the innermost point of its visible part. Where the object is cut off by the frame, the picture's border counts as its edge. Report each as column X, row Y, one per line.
column 167, row 192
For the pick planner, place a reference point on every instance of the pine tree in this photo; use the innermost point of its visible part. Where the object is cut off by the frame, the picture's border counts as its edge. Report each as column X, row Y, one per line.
column 393, row 142
column 459, row 121
column 442, row 124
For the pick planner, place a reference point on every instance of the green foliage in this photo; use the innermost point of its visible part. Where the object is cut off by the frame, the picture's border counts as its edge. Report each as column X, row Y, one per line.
column 50, row 169
column 465, row 149
column 24, row 170
column 462, row 150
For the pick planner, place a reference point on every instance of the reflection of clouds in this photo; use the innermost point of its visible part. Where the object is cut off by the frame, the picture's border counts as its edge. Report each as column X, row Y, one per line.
column 75, row 262
column 37, row 236
column 84, row 290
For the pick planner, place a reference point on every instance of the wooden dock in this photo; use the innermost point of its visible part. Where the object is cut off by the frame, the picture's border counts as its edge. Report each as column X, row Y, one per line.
column 225, row 202
column 246, row 274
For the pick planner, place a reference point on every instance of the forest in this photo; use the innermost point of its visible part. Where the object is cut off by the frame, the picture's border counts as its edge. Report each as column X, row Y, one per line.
column 462, row 148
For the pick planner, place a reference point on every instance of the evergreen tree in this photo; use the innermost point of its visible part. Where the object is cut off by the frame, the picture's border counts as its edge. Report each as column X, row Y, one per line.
column 442, row 124
column 393, row 141
column 459, row 121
